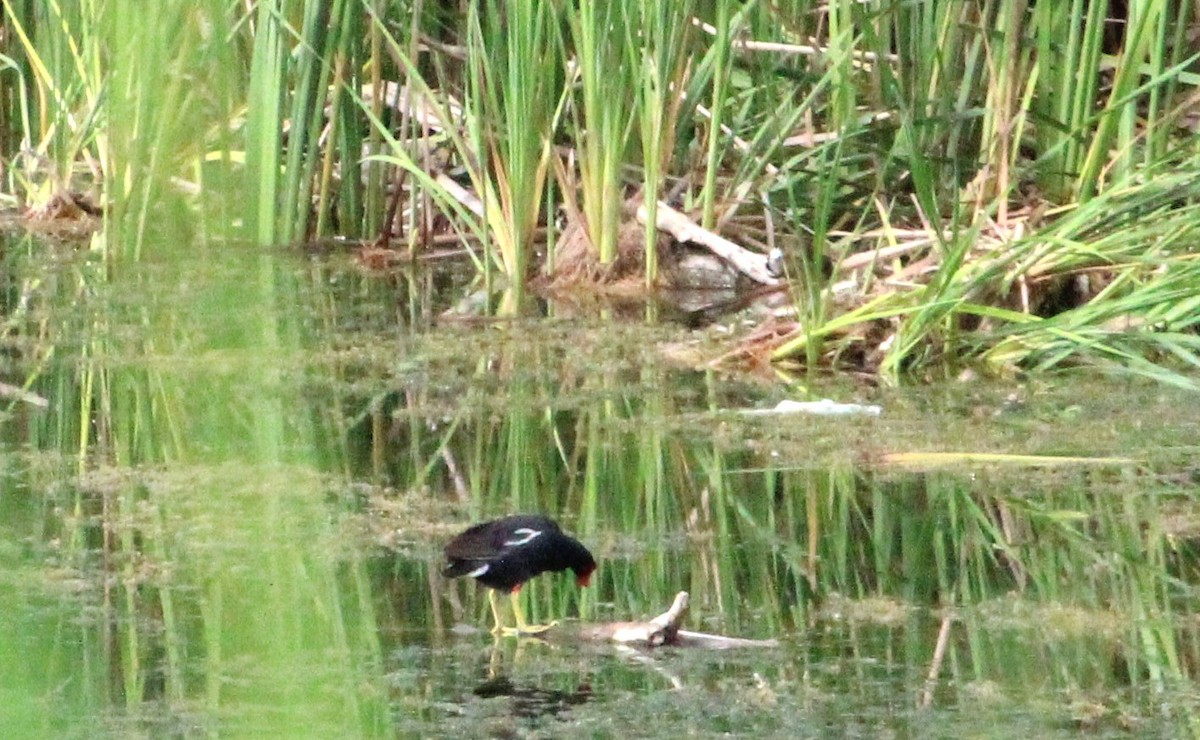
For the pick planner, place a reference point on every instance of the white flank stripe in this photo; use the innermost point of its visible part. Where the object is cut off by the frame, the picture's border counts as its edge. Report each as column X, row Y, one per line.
column 523, row 536
column 479, row 571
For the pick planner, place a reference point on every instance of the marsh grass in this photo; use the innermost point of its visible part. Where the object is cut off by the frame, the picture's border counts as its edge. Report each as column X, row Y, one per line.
column 661, row 68
column 892, row 147
column 52, row 105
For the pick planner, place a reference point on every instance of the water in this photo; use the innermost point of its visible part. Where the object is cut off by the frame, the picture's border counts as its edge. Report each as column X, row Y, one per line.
column 227, row 520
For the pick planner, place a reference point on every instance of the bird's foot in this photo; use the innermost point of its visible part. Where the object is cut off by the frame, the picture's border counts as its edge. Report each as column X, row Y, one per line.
column 528, row 630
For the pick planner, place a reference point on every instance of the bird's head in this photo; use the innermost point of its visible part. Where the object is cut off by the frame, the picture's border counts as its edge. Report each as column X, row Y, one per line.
column 569, row 553
column 584, row 565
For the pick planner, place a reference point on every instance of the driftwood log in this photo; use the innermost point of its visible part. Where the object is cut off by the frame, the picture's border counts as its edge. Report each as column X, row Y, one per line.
column 750, row 264
column 665, row 630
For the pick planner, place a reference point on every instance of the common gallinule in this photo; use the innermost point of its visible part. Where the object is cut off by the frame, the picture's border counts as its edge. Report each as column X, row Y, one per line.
column 504, row 553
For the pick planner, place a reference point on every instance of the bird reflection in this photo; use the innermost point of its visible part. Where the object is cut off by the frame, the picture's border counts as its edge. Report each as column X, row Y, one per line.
column 531, row 702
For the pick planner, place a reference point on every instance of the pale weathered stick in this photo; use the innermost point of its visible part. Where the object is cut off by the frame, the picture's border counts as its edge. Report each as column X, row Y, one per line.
column 664, row 630
column 935, row 665
column 469, row 200
column 750, row 264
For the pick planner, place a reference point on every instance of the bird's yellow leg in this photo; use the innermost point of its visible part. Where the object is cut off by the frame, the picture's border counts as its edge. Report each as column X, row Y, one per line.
column 523, row 627
column 497, row 622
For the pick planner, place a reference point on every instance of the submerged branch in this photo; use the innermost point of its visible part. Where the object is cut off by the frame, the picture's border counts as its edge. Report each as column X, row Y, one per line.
column 664, row 630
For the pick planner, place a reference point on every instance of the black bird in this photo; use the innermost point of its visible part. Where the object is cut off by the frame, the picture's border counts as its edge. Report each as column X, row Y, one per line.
column 504, row 553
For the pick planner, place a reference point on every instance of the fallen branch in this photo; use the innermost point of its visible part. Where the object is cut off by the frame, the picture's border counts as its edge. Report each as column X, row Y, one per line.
column 750, row 264
column 664, row 630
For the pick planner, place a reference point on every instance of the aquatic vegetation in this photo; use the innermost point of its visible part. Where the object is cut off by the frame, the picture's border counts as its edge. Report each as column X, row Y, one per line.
column 222, row 512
